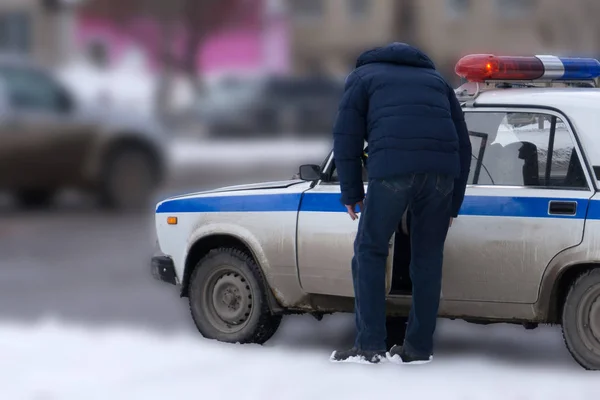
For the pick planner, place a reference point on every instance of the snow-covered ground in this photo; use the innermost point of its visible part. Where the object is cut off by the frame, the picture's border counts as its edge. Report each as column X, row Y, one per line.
column 53, row 360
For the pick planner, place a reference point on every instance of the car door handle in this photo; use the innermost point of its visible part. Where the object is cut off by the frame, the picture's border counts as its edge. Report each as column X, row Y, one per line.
column 562, row 208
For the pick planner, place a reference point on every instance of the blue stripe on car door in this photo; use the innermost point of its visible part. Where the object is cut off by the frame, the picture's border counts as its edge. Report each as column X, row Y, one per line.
column 527, row 207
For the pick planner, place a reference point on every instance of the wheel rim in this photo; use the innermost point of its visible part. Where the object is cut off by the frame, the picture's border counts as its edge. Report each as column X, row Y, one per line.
column 228, row 300
column 588, row 319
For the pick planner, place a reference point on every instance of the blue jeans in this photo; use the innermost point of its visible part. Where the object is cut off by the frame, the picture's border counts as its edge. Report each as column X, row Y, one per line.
column 428, row 197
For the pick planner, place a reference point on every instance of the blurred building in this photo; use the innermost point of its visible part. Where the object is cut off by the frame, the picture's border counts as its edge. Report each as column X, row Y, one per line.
column 42, row 29
column 327, row 35
column 256, row 43
column 448, row 29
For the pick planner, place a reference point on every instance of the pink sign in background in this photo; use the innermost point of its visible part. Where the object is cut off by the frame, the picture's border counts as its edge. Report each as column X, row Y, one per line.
column 261, row 43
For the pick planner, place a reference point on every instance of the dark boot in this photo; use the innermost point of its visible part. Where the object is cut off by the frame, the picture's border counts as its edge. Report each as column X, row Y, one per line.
column 398, row 355
column 358, row 356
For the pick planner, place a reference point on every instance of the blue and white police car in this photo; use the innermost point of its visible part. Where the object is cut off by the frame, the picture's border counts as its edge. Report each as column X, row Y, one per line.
column 524, row 250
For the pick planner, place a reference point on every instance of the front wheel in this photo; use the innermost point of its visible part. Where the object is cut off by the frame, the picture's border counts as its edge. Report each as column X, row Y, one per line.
column 228, row 299
column 581, row 320
column 129, row 179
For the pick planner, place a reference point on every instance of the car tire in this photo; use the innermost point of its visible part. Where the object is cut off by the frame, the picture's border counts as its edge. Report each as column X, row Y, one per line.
column 396, row 330
column 34, row 198
column 228, row 299
column 129, row 179
column 581, row 320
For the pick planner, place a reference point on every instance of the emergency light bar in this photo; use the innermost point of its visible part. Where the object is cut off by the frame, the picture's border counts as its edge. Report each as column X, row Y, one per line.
column 488, row 67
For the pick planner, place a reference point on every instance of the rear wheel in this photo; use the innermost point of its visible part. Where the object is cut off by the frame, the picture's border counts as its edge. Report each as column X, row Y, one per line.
column 34, row 198
column 228, row 300
column 581, row 320
column 129, row 179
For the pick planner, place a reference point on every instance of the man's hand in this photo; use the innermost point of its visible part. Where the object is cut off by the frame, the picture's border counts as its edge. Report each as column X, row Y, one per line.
column 352, row 210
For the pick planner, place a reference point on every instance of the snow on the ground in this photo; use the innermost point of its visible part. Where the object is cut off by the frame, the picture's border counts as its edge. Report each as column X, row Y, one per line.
column 193, row 152
column 53, row 360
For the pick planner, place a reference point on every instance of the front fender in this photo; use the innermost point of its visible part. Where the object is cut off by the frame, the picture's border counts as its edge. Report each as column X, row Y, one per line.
column 229, row 229
column 271, row 239
column 249, row 241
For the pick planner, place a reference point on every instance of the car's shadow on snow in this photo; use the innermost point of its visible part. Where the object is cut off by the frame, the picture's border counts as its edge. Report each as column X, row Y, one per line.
column 506, row 350
column 304, row 332
column 502, row 343
column 455, row 341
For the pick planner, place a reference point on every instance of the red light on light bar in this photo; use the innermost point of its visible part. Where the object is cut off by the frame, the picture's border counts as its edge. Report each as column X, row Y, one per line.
column 482, row 67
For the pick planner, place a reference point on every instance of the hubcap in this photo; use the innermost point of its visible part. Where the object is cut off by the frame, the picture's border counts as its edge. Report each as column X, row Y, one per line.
column 232, row 299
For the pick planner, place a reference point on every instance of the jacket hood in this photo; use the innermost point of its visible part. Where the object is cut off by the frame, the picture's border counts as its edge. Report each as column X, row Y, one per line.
column 396, row 53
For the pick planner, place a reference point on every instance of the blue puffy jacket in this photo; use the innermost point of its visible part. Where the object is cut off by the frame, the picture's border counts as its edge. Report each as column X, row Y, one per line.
column 410, row 117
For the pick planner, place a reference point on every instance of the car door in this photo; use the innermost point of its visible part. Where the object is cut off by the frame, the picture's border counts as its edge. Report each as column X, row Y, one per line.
column 46, row 141
column 325, row 239
column 19, row 143
column 526, row 202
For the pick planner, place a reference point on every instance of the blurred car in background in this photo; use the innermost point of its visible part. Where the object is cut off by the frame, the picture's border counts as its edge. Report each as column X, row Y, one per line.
column 50, row 141
column 269, row 106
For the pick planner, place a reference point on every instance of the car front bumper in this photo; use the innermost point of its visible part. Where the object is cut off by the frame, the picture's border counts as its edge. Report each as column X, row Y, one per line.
column 163, row 269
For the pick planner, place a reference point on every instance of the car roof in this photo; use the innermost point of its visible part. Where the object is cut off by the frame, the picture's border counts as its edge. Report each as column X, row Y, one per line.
column 581, row 106
column 560, row 98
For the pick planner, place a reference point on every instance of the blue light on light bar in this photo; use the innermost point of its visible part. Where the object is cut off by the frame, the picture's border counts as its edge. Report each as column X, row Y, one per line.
column 580, row 68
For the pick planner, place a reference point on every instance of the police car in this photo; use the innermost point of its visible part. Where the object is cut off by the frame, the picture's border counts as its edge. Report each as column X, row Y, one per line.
column 524, row 250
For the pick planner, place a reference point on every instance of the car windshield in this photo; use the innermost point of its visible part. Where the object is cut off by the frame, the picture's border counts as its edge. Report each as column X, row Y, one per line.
column 324, row 163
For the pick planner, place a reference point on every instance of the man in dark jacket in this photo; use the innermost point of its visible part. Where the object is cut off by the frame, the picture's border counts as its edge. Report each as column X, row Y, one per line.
column 419, row 157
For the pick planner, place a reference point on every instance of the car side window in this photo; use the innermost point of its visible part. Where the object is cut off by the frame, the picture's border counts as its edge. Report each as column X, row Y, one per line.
column 365, row 177
column 336, row 179
column 523, row 149
column 29, row 90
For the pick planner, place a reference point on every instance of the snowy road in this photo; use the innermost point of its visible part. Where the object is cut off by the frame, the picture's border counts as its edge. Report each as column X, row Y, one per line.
column 81, row 318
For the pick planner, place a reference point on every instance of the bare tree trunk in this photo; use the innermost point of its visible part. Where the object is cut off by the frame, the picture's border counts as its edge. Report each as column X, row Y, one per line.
column 195, row 20
column 164, row 89
column 190, row 64
column 406, row 21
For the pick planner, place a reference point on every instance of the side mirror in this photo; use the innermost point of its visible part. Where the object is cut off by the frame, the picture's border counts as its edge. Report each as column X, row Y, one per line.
column 310, row 172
